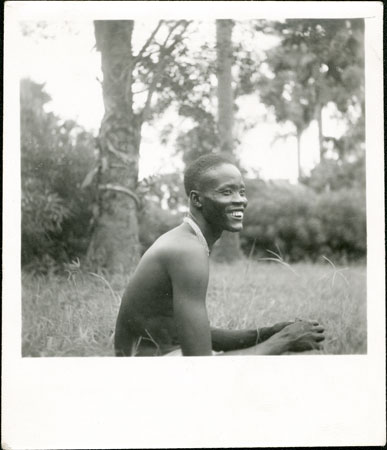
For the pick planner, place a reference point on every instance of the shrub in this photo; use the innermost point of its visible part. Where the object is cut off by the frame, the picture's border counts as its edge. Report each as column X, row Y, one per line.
column 300, row 224
column 155, row 221
column 331, row 175
column 342, row 215
column 55, row 158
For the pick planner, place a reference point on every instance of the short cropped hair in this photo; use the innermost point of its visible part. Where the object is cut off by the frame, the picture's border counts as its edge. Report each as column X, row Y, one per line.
column 195, row 171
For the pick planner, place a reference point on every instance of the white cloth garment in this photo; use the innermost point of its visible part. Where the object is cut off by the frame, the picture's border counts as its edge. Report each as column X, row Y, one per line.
column 178, row 352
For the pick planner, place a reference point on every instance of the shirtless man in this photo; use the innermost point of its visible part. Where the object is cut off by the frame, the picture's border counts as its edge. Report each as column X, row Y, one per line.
column 163, row 309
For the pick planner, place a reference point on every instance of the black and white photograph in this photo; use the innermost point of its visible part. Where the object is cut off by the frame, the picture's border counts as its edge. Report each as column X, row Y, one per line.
column 190, row 182
column 238, row 145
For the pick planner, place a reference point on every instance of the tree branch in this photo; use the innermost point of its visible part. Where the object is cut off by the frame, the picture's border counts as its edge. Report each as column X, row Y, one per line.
column 149, row 40
column 165, row 52
column 140, row 91
column 177, row 24
column 180, row 22
column 121, row 190
column 152, row 87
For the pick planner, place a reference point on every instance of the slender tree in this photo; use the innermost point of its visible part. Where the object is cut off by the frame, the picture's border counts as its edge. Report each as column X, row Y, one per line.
column 228, row 247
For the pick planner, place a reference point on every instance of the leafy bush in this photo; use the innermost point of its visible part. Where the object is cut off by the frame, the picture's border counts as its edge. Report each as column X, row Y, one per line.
column 155, row 221
column 342, row 215
column 331, row 175
column 301, row 224
column 55, row 158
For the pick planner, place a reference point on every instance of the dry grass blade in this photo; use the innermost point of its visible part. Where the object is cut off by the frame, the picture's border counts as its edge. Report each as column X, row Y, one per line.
column 115, row 297
column 153, row 341
column 279, row 260
column 329, row 261
column 72, row 268
column 336, row 271
column 275, row 254
column 136, row 346
column 279, row 251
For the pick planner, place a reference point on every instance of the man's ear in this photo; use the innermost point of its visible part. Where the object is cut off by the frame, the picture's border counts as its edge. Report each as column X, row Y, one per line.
column 195, row 199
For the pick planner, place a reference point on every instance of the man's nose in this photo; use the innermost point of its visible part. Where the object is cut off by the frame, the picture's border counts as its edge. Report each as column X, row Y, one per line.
column 240, row 199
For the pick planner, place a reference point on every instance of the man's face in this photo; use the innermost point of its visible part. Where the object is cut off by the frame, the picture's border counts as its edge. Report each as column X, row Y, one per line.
column 223, row 197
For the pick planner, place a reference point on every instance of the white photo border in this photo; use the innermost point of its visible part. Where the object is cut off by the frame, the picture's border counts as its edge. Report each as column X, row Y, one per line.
column 194, row 402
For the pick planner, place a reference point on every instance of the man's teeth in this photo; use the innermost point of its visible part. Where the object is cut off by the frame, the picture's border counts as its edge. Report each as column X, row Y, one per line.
column 238, row 214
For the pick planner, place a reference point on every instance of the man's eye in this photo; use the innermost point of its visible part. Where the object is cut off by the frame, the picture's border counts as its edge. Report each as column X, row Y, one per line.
column 227, row 192
column 242, row 192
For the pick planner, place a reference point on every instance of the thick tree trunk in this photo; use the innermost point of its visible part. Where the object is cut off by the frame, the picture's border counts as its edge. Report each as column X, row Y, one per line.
column 115, row 244
column 228, row 247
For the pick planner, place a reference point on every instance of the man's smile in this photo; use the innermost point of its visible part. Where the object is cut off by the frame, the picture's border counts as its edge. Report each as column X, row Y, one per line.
column 236, row 214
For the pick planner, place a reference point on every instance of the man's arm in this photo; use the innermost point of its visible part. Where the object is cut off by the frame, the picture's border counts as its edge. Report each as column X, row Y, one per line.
column 189, row 271
column 227, row 340
column 296, row 337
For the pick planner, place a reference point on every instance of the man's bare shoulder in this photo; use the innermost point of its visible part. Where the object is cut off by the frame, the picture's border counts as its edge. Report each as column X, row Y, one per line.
column 185, row 260
column 179, row 244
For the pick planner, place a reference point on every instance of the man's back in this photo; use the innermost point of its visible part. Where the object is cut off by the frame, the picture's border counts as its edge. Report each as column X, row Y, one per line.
column 145, row 324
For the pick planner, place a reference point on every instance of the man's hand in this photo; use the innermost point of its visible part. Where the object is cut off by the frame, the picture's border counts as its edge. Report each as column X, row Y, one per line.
column 264, row 333
column 302, row 336
column 277, row 327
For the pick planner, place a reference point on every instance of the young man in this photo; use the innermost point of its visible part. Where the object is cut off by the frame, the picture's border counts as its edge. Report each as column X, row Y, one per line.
column 163, row 309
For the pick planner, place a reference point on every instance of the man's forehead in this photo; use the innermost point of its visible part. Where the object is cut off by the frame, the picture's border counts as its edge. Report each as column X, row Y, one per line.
column 222, row 174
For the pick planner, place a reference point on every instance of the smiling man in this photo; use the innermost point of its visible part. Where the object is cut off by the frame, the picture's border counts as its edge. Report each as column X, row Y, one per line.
column 163, row 309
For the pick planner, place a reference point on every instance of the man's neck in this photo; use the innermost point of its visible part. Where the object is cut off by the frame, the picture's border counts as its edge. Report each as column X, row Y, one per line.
column 210, row 235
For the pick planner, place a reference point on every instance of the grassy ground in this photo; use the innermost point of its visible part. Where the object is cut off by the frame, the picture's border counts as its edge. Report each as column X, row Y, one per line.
column 75, row 316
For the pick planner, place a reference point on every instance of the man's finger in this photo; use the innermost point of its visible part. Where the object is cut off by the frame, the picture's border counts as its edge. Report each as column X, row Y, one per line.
column 315, row 323
column 312, row 322
column 319, row 337
column 318, row 329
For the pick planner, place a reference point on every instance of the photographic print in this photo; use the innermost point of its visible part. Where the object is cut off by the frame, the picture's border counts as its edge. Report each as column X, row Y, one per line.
column 194, row 185
column 114, row 116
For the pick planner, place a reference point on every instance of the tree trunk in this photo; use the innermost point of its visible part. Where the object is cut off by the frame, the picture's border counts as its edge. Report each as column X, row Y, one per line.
column 228, row 247
column 299, row 168
column 115, row 243
column 225, row 94
column 320, row 131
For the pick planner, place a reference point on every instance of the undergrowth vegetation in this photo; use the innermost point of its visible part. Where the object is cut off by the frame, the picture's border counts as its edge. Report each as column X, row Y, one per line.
column 74, row 314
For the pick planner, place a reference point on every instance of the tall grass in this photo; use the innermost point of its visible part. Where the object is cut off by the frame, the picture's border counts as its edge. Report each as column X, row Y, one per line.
column 74, row 315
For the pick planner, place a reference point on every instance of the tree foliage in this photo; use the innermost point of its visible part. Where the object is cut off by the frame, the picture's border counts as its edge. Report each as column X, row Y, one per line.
column 316, row 61
column 192, row 90
column 189, row 87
